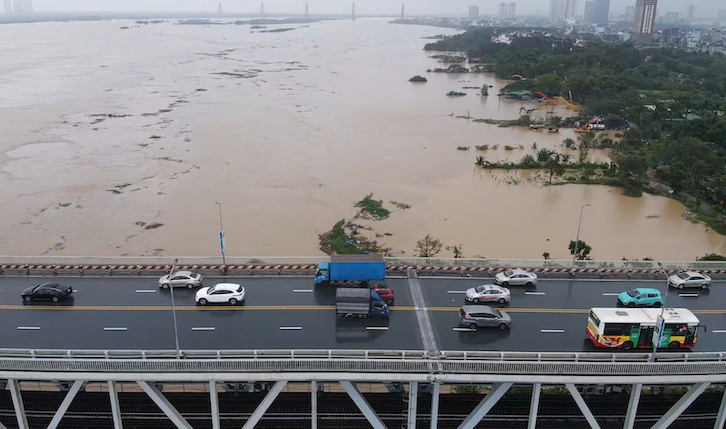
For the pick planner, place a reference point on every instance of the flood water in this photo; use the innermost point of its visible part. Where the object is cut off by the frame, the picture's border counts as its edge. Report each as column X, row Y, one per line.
column 109, row 132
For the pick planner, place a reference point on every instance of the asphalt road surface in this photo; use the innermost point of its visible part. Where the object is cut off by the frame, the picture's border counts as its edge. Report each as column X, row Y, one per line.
column 291, row 313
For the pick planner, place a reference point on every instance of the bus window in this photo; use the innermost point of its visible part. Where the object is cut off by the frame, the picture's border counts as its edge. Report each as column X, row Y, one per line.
column 594, row 318
column 677, row 330
column 619, row 329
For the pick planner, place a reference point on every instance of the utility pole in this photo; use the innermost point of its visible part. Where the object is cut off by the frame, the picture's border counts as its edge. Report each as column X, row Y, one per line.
column 221, row 234
column 577, row 239
column 173, row 309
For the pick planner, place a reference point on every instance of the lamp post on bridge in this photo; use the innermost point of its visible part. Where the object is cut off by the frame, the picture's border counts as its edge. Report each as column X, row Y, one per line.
column 660, row 323
column 577, row 239
column 221, row 234
column 173, row 309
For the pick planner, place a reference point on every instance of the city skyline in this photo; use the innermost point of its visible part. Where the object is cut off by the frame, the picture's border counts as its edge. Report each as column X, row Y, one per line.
column 704, row 8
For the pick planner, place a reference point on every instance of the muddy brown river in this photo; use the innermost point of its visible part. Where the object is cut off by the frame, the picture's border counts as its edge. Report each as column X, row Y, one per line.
column 120, row 141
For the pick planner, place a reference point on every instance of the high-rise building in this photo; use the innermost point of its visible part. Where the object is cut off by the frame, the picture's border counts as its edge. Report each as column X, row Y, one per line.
column 691, row 13
column 630, row 13
column 570, row 12
column 557, row 8
column 502, row 11
column 511, row 10
column 671, row 17
column 8, row 7
column 473, row 12
column 601, row 12
column 590, row 11
column 645, row 13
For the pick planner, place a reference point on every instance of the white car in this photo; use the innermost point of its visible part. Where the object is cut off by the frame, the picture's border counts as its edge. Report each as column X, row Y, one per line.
column 232, row 293
column 488, row 293
column 516, row 277
column 689, row 279
column 181, row 278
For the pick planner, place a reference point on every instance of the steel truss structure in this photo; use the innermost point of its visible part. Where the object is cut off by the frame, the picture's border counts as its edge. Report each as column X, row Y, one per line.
column 417, row 369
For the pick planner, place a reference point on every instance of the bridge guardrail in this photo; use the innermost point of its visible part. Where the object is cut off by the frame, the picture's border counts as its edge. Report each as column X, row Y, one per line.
column 361, row 361
column 285, row 265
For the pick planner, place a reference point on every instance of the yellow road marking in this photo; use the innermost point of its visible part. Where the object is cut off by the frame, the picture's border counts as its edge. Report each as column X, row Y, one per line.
column 289, row 307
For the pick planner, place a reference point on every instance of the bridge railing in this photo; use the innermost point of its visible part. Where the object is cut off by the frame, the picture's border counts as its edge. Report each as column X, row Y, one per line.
column 137, row 265
column 360, row 361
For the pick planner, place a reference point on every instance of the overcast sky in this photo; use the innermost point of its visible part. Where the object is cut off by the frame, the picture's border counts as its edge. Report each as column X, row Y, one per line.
column 704, row 8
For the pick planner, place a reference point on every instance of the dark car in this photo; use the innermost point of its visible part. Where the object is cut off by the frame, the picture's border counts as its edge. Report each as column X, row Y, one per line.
column 47, row 292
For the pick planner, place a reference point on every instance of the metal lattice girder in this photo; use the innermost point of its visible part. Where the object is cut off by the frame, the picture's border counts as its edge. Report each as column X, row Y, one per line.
column 632, row 406
column 363, row 405
column 584, row 409
column 165, row 405
column 115, row 408
column 264, row 405
column 412, row 404
column 214, row 403
column 435, row 406
column 486, row 404
column 680, row 406
column 534, row 405
column 65, row 404
column 721, row 418
column 18, row 404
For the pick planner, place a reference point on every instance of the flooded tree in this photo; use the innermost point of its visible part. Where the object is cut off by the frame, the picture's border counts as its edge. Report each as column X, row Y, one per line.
column 583, row 250
column 428, row 247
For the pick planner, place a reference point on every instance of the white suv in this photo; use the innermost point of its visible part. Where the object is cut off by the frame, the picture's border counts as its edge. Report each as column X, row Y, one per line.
column 220, row 293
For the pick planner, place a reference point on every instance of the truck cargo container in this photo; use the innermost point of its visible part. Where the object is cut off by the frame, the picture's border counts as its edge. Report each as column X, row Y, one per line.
column 347, row 269
column 360, row 302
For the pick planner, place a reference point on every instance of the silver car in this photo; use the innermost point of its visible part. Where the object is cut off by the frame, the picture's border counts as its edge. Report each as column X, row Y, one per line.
column 488, row 293
column 516, row 277
column 181, row 278
column 475, row 316
column 689, row 279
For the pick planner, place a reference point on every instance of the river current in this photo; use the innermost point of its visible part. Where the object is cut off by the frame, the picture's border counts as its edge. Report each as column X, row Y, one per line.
column 120, row 142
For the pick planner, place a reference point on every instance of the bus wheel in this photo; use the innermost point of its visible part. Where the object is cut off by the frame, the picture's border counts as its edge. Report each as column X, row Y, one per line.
column 674, row 345
column 628, row 345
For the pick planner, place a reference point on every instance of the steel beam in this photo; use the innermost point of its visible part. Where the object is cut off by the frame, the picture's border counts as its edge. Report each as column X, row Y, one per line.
column 18, row 404
column 65, row 404
column 412, row 404
column 582, row 405
column 680, row 406
column 2, row 426
column 632, row 406
column 486, row 404
column 363, row 405
column 435, row 406
column 165, row 406
column 264, row 405
column 721, row 418
column 214, row 402
column 115, row 408
column 314, row 405
column 534, row 405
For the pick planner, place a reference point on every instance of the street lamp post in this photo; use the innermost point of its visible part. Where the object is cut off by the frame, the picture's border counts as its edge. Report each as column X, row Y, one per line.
column 579, row 225
column 221, row 234
column 660, row 324
column 173, row 309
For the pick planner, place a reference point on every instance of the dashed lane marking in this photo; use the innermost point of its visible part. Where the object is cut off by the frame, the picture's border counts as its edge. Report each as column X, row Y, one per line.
column 115, row 329
column 455, row 291
column 552, row 331
column 464, row 329
column 688, row 294
column 719, row 331
column 145, row 290
column 203, row 328
column 610, row 294
column 302, row 290
column 28, row 328
column 534, row 293
column 377, row 328
column 291, row 328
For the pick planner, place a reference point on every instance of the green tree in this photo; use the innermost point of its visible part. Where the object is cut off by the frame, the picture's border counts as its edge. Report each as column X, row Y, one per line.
column 583, row 249
column 428, row 246
column 549, row 84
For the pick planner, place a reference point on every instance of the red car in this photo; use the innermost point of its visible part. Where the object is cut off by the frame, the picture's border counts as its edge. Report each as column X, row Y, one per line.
column 385, row 292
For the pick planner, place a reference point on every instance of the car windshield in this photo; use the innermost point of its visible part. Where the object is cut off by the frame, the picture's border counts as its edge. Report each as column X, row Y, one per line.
column 240, row 288
column 496, row 313
column 683, row 276
column 509, row 273
column 211, row 289
column 633, row 293
column 481, row 288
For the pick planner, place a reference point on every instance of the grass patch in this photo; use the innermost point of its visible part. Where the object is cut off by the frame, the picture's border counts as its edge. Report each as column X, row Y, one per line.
column 373, row 208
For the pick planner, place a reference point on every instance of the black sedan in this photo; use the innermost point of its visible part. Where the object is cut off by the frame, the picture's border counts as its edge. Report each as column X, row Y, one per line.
column 47, row 292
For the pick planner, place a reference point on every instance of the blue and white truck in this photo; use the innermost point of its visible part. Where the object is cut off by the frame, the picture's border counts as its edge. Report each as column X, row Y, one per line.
column 351, row 269
column 360, row 303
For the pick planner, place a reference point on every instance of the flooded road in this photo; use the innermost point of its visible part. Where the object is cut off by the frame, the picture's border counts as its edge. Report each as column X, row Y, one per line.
column 119, row 142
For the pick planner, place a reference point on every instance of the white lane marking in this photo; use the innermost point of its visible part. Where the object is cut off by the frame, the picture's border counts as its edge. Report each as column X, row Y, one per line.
column 291, row 328
column 145, row 290
column 28, row 328
column 203, row 328
column 719, row 331
column 455, row 291
column 464, row 329
column 302, row 290
column 75, row 290
column 688, row 294
column 115, row 329
column 534, row 293
column 377, row 328
column 552, row 331
column 610, row 294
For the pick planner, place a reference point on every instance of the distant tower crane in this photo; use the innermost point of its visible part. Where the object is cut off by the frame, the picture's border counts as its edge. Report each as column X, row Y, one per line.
column 353, row 14
column 403, row 16
column 262, row 10
column 219, row 9
column 307, row 14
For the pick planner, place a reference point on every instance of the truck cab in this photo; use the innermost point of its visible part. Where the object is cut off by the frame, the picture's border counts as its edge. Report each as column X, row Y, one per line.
column 322, row 275
column 379, row 308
